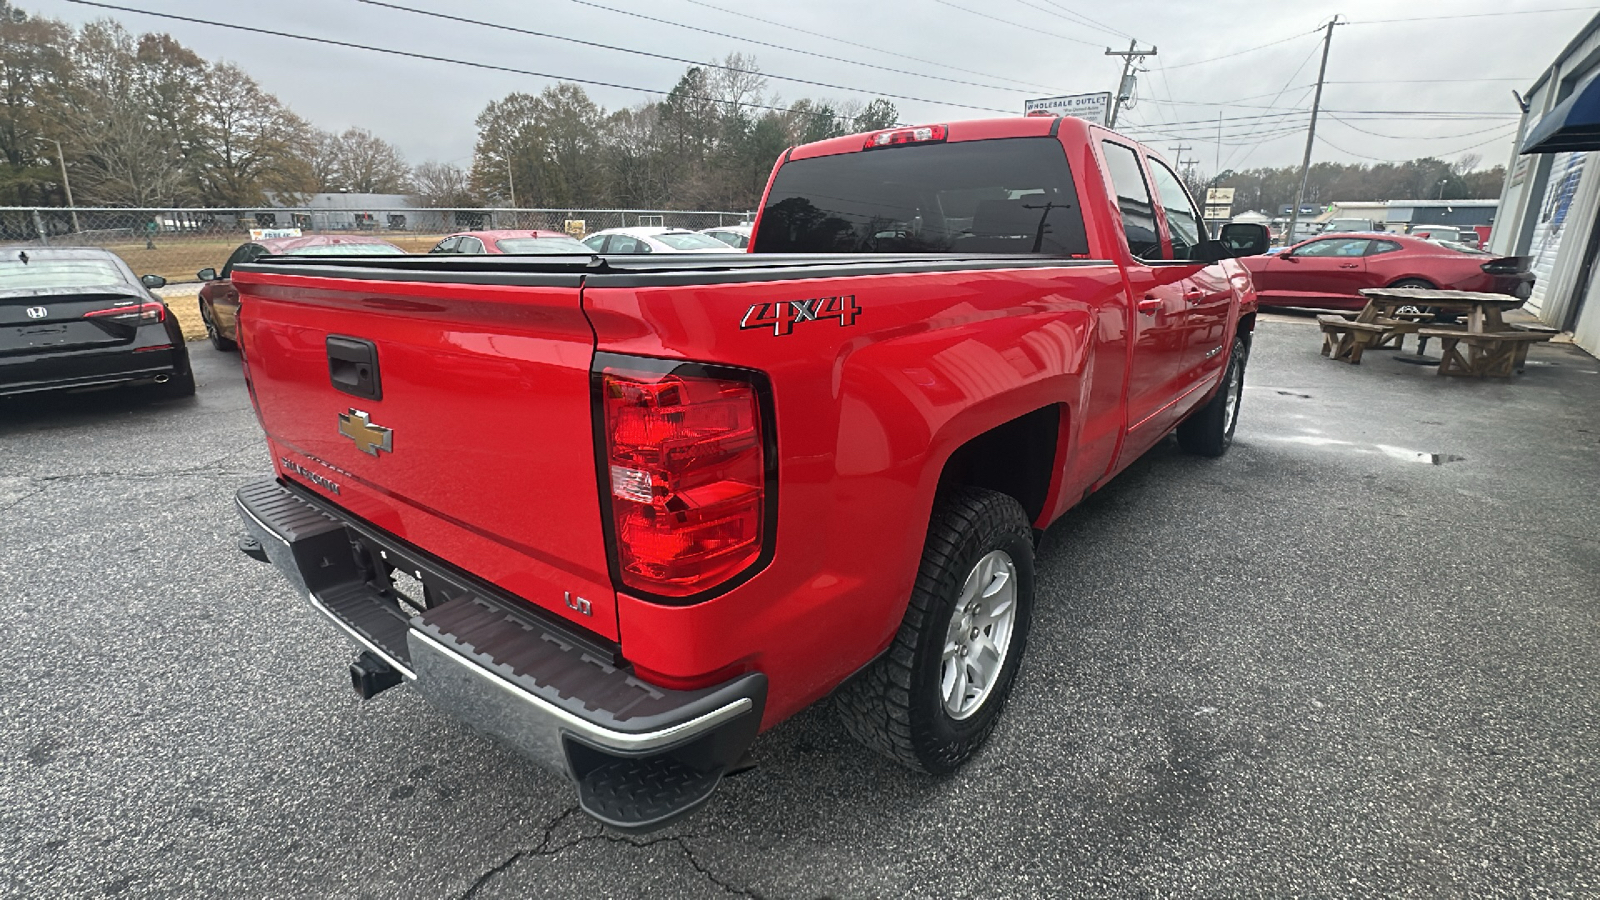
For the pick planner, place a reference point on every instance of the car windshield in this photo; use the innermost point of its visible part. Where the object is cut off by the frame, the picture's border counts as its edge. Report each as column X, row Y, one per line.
column 541, row 246
column 16, row 275
column 688, row 240
column 346, row 250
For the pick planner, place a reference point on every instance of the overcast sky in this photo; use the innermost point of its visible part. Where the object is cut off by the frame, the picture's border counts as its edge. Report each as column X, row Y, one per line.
column 1211, row 61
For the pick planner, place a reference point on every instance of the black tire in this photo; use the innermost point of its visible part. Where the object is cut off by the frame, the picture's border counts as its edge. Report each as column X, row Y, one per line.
column 1438, row 315
column 1209, row 430
column 217, row 340
column 895, row 706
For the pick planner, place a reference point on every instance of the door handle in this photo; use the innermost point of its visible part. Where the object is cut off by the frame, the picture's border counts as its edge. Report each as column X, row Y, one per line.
column 1149, row 305
column 1194, row 295
column 1349, row 265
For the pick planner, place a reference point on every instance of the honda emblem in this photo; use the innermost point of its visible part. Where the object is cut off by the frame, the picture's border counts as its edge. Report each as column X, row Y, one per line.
column 37, row 312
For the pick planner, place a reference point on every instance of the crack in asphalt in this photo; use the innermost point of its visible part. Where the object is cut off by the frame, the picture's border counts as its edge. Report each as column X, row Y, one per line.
column 545, row 848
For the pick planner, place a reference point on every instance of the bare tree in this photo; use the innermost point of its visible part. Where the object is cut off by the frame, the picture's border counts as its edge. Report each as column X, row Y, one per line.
column 442, row 186
column 252, row 142
column 368, row 164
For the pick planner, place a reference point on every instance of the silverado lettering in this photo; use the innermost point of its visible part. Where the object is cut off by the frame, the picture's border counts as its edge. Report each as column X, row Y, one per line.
column 736, row 529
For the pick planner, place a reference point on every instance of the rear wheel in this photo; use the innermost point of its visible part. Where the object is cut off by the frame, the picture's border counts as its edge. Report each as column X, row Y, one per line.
column 1209, row 430
column 217, row 340
column 1422, row 285
column 932, row 700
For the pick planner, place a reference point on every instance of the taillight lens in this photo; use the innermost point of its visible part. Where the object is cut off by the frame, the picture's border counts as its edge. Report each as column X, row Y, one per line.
column 686, row 469
column 894, row 137
column 140, row 314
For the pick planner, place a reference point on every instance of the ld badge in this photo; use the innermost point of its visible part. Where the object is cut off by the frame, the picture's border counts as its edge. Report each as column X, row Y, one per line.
column 357, row 426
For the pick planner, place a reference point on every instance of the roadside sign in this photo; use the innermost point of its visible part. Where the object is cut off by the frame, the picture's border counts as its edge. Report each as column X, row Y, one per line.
column 1219, row 212
column 576, row 227
column 1089, row 107
column 261, row 234
column 1219, row 196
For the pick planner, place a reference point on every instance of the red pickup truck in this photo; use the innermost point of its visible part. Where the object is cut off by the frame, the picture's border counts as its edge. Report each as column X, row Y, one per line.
column 625, row 513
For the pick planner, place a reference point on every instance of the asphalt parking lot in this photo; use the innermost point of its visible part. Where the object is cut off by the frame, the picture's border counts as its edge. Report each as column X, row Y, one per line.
column 1357, row 656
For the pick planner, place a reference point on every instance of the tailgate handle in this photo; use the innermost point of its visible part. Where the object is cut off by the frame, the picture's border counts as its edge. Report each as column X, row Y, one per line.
column 353, row 367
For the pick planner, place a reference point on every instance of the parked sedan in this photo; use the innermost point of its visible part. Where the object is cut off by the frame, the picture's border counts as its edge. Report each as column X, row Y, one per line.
column 736, row 236
column 219, row 301
column 1329, row 272
column 536, row 242
column 79, row 318
column 653, row 240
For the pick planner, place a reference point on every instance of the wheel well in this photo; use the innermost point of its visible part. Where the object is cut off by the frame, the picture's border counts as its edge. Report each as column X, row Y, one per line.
column 1426, row 281
column 1246, row 328
column 1016, row 458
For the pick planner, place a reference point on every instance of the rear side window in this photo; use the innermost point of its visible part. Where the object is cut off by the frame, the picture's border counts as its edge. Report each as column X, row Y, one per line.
column 1002, row 196
column 1133, row 199
column 1382, row 247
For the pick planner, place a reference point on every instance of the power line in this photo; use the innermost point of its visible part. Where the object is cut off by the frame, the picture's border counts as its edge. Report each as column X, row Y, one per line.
column 855, row 62
column 1274, row 101
column 1410, row 137
column 423, row 56
column 1028, row 28
column 676, row 59
column 1513, row 12
column 1286, row 40
column 1504, row 133
column 1076, row 18
column 1430, row 80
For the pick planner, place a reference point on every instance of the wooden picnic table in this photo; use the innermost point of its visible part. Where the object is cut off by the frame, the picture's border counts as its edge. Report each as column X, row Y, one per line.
column 1493, row 348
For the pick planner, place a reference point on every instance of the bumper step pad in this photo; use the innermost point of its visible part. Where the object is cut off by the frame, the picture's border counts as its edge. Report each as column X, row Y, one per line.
column 645, row 794
column 374, row 619
column 640, row 755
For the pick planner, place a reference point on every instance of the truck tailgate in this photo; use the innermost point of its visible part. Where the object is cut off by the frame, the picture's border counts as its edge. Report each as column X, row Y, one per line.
column 489, row 458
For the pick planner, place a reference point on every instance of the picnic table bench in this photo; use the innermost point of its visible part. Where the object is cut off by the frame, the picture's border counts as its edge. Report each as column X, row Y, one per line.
column 1489, row 354
column 1492, row 347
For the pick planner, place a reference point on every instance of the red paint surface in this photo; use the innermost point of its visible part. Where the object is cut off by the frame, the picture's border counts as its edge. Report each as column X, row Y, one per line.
column 494, row 468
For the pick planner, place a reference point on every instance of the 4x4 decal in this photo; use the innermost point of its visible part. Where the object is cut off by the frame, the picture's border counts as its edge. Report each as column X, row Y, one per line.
column 783, row 315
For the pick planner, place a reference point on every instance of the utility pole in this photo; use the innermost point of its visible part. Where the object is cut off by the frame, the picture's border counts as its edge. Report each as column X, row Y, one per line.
column 1177, row 151
column 65, row 184
column 1219, row 144
column 1311, row 134
column 1125, row 83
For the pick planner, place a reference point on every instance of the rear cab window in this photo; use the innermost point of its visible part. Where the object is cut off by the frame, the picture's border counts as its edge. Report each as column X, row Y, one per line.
column 1132, row 194
column 1009, row 195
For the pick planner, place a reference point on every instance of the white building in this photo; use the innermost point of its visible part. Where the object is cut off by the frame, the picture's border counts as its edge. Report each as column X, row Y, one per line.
column 1550, row 205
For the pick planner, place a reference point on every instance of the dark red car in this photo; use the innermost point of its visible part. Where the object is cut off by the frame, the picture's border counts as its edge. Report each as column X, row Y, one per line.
column 1328, row 272
column 219, row 300
column 521, row 242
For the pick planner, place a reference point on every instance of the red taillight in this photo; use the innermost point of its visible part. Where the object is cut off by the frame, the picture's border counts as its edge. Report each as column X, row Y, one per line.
column 687, row 473
column 141, row 313
column 894, row 137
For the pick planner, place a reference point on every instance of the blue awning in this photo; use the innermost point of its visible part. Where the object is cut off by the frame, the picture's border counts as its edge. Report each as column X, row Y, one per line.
column 1574, row 124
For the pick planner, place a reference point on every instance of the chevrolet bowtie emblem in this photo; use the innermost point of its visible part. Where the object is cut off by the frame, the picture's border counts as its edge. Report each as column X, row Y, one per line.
column 357, row 426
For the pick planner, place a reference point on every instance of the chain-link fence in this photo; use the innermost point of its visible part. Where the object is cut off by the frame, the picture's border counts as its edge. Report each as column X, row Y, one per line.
column 177, row 243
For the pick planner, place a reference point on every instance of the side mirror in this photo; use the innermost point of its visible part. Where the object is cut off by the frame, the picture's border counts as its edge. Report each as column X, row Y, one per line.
column 152, row 281
column 1245, row 238
column 206, row 274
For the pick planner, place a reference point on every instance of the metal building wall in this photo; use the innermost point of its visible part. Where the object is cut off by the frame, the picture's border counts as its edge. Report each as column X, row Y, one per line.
column 1550, row 204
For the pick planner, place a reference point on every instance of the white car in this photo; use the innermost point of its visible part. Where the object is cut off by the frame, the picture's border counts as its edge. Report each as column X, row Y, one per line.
column 653, row 240
column 737, row 236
